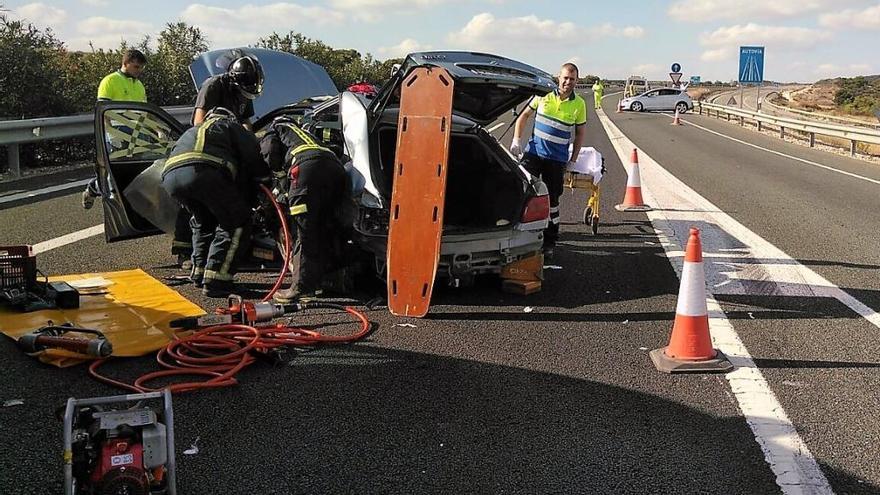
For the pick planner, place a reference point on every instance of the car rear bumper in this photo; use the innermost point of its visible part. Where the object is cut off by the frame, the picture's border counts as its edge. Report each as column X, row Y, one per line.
column 468, row 254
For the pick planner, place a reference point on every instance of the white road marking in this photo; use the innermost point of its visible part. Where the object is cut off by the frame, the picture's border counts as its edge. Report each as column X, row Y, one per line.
column 740, row 262
column 496, row 127
column 46, row 190
column 779, row 153
column 68, row 239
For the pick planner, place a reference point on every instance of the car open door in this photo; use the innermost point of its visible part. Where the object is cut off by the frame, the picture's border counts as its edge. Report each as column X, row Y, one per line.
column 129, row 137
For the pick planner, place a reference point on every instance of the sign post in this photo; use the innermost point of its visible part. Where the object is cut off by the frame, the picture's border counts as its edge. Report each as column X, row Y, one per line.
column 675, row 75
column 751, row 69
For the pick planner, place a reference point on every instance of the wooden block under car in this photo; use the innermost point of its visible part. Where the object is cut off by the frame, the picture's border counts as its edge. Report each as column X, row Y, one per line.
column 521, row 287
column 529, row 269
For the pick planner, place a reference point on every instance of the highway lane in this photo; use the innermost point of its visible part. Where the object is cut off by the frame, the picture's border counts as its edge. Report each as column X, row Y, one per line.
column 816, row 353
column 481, row 396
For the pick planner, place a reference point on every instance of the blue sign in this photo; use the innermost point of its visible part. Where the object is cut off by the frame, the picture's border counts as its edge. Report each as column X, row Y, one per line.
column 676, row 67
column 695, row 79
column 751, row 64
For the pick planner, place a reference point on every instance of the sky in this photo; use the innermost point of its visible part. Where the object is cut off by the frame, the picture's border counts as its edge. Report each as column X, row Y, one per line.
column 804, row 40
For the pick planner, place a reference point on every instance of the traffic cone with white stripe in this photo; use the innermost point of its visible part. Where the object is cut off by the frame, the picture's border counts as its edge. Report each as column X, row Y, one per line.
column 619, row 105
column 676, row 120
column 632, row 200
column 690, row 345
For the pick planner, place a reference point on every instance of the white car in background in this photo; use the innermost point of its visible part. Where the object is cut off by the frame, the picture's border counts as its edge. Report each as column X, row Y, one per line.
column 659, row 99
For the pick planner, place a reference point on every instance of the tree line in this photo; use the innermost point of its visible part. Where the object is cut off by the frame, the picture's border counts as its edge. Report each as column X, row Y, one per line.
column 41, row 77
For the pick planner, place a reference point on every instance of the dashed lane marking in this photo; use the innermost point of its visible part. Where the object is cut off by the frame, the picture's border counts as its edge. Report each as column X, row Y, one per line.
column 64, row 240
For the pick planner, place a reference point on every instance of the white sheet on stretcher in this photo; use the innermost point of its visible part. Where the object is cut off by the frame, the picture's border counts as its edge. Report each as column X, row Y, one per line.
column 589, row 162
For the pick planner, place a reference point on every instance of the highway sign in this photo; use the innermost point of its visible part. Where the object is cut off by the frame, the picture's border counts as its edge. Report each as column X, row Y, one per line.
column 695, row 79
column 751, row 64
column 676, row 67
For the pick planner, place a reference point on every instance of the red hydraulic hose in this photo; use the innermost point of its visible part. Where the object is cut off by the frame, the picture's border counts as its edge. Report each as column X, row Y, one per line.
column 220, row 352
column 287, row 247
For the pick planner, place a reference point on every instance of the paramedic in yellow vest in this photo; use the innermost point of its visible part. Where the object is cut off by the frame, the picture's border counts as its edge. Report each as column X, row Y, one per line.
column 560, row 120
column 122, row 85
column 598, row 89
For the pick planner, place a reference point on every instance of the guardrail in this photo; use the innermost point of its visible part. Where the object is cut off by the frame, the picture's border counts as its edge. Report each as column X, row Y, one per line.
column 14, row 133
column 853, row 134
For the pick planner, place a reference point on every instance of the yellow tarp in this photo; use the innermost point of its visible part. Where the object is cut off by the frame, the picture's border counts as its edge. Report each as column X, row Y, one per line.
column 133, row 315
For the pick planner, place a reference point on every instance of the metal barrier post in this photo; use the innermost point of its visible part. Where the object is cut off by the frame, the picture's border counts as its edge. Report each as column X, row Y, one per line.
column 812, row 139
column 781, row 132
column 759, row 125
column 852, row 148
column 13, row 159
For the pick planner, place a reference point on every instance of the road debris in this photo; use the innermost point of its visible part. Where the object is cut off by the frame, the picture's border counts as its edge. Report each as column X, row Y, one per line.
column 13, row 402
column 194, row 448
column 552, row 267
column 528, row 309
column 406, row 325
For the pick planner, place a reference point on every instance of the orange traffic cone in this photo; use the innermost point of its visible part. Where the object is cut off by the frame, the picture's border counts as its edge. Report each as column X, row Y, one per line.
column 690, row 345
column 676, row 120
column 632, row 200
column 619, row 105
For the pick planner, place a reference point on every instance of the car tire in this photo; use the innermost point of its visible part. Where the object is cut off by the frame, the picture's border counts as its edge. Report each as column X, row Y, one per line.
column 637, row 106
column 681, row 106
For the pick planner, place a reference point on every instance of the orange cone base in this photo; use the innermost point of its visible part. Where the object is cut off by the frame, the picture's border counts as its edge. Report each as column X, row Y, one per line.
column 666, row 364
column 633, row 208
column 676, row 122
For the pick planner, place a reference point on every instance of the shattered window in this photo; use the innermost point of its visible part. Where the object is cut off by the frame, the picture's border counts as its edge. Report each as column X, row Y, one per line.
column 137, row 135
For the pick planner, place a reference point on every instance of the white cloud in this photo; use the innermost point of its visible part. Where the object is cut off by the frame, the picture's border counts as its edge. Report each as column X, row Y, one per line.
column 403, row 48
column 382, row 4
column 853, row 19
column 711, row 10
column 718, row 55
column 96, row 3
column 105, row 25
column 486, row 32
column 246, row 24
column 833, row 70
column 722, row 43
column 650, row 70
column 40, row 14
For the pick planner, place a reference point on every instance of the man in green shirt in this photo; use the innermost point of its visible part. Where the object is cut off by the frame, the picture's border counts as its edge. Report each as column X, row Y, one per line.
column 121, row 85
column 598, row 89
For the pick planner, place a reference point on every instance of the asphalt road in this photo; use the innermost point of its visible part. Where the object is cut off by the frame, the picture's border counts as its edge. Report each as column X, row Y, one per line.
column 484, row 397
column 817, row 355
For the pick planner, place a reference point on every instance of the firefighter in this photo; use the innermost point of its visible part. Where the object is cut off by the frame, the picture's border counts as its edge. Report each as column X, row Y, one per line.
column 318, row 189
column 235, row 90
column 211, row 172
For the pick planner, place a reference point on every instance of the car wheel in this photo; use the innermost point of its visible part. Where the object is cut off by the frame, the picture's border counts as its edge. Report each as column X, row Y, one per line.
column 637, row 107
column 681, row 106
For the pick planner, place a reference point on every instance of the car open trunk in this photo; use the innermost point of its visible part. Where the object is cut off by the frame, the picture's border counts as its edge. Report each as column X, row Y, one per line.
column 483, row 189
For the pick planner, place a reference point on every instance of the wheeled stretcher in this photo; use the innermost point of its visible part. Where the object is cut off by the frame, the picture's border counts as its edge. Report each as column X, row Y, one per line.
column 585, row 174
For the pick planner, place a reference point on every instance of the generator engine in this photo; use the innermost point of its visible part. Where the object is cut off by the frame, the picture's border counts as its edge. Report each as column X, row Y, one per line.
column 119, row 451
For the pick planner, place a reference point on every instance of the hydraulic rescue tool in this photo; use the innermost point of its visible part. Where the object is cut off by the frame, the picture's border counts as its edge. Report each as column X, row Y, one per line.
column 53, row 336
column 238, row 311
column 119, row 451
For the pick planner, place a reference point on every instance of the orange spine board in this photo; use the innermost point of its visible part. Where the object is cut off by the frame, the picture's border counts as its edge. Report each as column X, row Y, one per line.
column 416, row 223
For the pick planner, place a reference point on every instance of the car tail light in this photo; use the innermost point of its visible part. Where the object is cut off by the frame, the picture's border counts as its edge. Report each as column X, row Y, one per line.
column 538, row 208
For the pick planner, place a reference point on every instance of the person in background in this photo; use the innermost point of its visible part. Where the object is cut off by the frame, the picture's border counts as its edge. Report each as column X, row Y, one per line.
column 124, row 84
